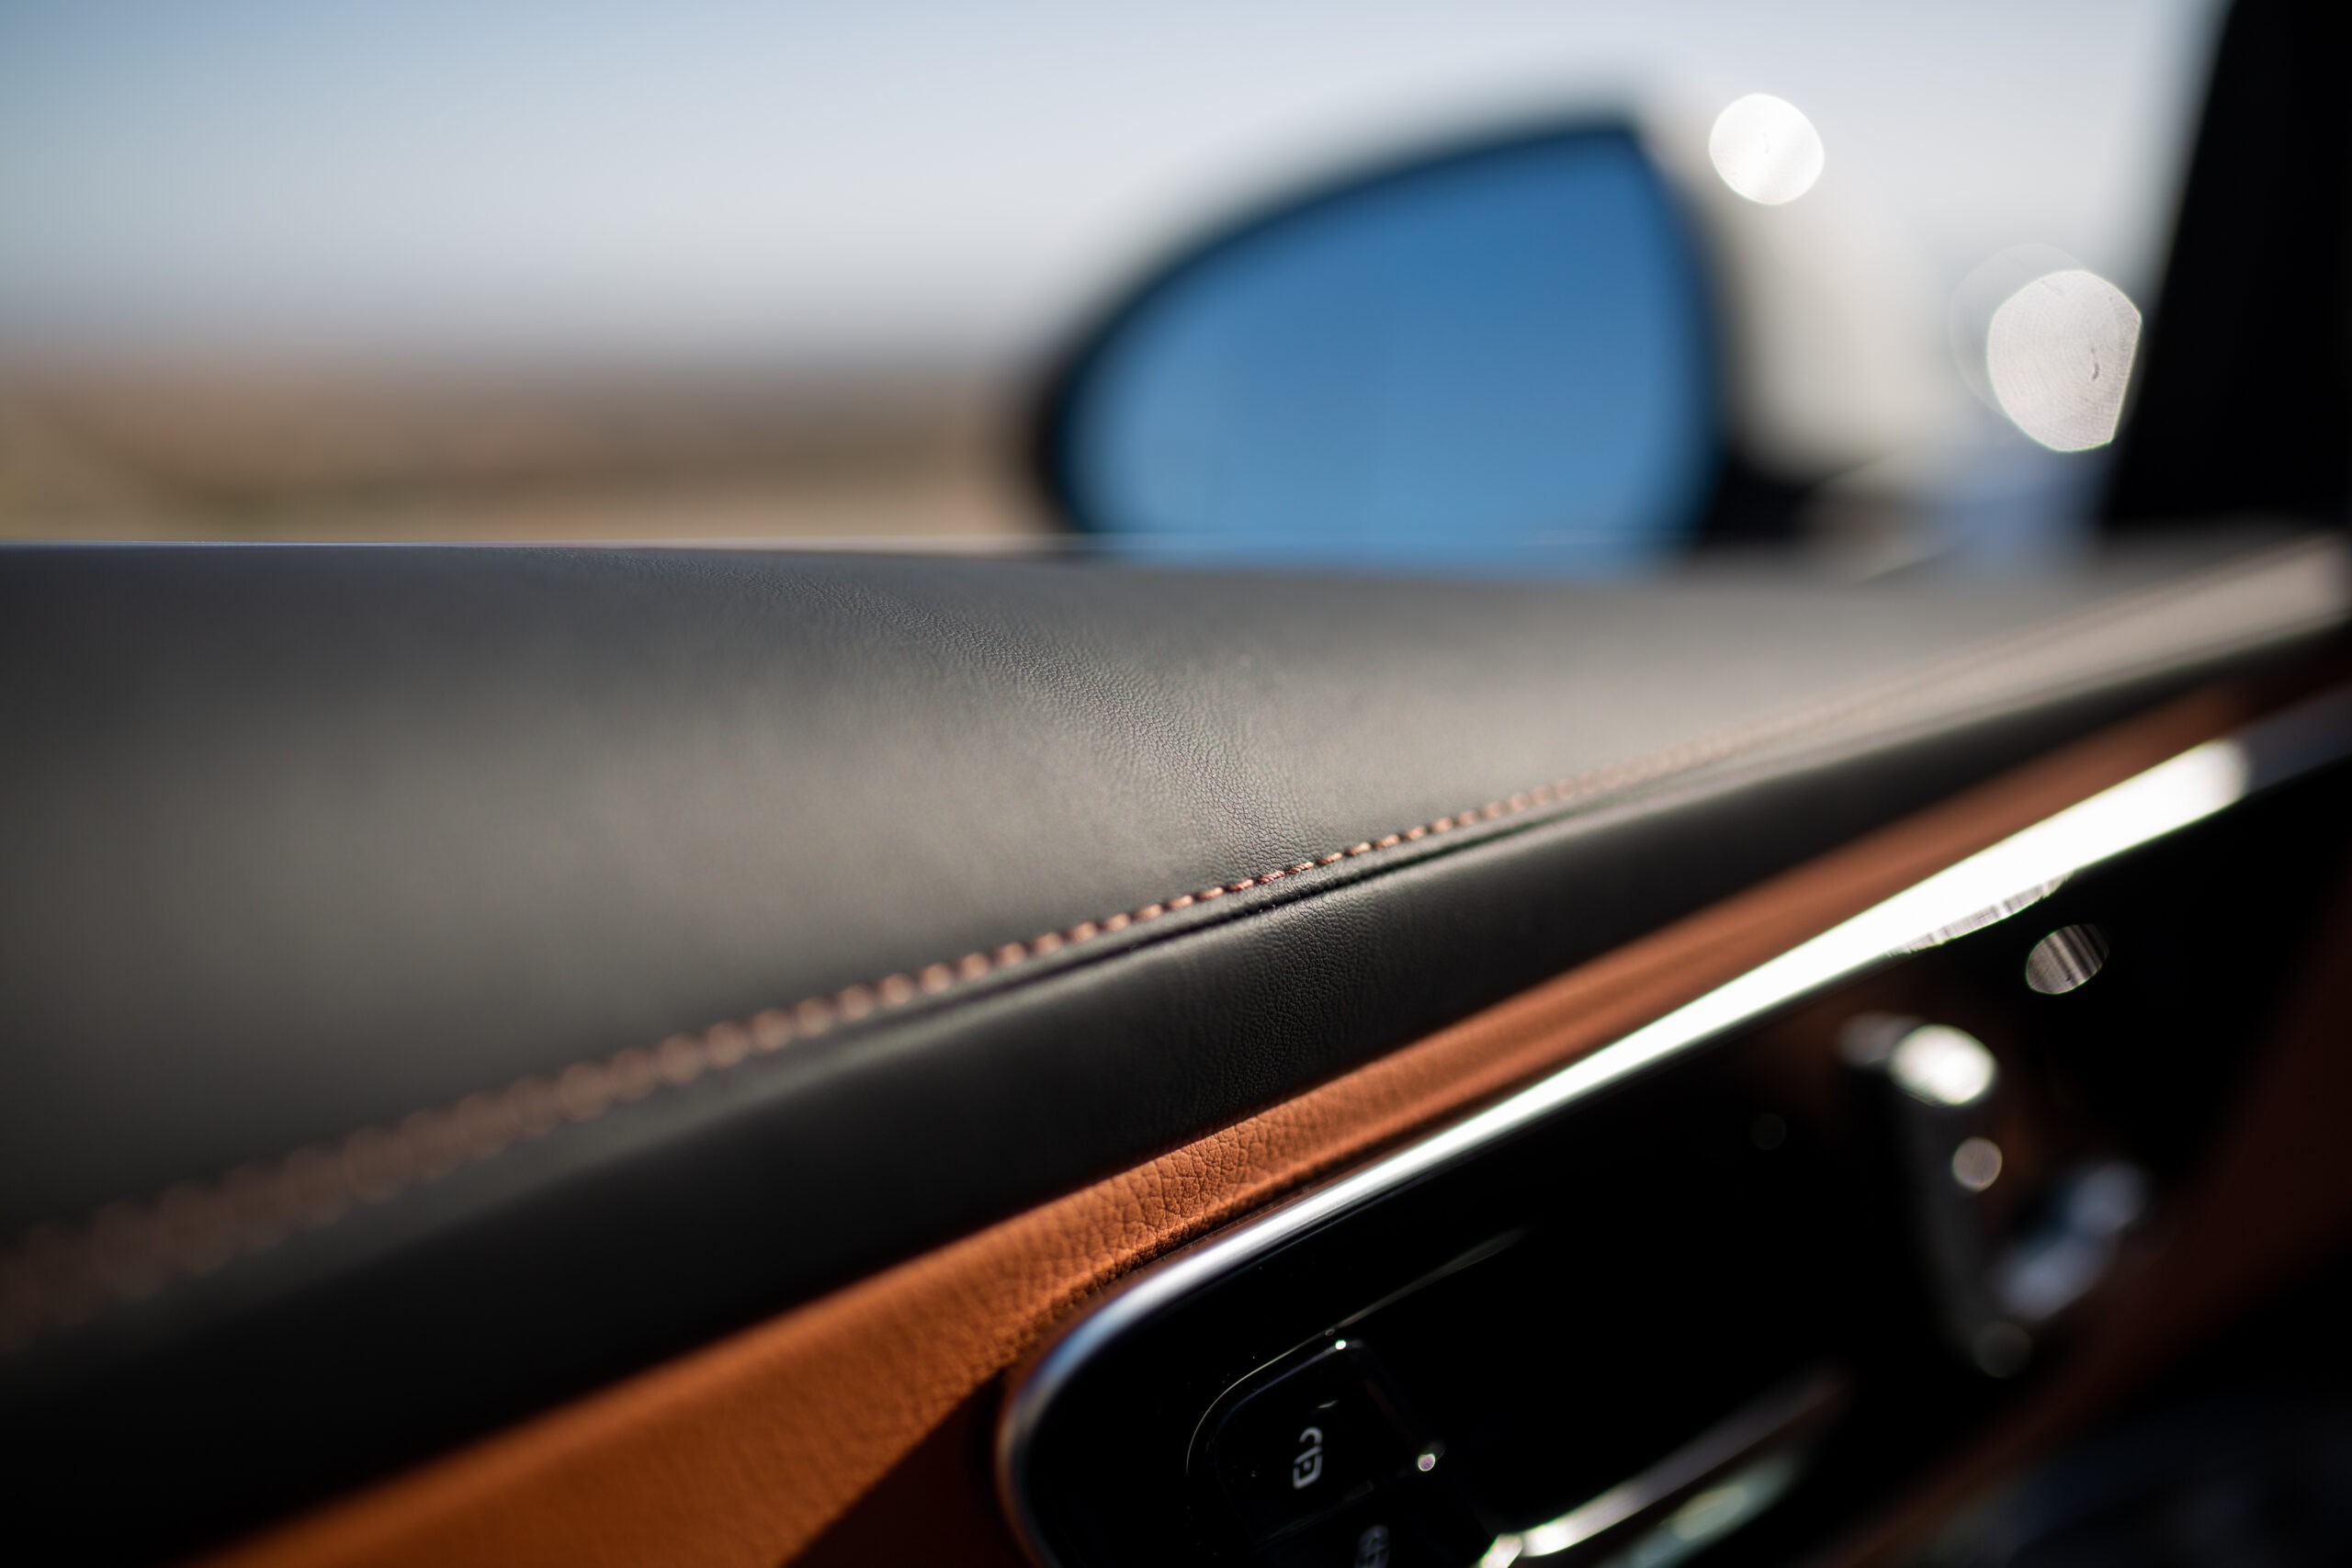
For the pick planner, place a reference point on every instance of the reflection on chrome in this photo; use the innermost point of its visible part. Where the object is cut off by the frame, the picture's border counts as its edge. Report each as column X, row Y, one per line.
column 2059, row 356
column 1990, row 914
column 2064, row 959
column 2172, row 795
column 1690, row 1529
column 1941, row 1066
column 1701, row 1492
column 1765, row 148
column 1714, row 1514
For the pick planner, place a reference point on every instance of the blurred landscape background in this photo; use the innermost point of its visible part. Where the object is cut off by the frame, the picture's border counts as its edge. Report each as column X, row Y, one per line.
column 703, row 271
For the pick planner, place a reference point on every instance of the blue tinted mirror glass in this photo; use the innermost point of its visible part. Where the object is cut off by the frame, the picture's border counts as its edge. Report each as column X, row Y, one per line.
column 1501, row 360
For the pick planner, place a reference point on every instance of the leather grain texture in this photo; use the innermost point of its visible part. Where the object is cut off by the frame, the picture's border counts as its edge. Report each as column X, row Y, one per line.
column 443, row 982
column 740, row 1455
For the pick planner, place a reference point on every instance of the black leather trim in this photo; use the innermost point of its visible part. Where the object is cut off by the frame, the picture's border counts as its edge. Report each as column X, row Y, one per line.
column 303, row 840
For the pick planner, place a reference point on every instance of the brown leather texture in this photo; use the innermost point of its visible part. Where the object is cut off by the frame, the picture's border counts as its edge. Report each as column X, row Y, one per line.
column 938, row 1506
column 740, row 1455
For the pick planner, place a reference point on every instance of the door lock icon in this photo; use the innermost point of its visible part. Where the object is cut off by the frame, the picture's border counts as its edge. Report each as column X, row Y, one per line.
column 1307, row 1468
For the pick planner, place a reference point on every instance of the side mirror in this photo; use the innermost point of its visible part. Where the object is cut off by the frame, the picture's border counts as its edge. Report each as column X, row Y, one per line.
column 1499, row 358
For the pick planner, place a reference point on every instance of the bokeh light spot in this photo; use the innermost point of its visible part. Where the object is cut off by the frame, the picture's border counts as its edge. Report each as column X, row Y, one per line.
column 1941, row 1066
column 2059, row 356
column 1976, row 1163
column 1765, row 148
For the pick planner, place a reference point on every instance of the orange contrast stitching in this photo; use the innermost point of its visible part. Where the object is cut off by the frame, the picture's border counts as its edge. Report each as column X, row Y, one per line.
column 62, row 1273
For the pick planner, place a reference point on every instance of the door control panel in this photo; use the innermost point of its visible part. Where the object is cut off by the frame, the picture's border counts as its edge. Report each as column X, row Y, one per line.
column 1713, row 1292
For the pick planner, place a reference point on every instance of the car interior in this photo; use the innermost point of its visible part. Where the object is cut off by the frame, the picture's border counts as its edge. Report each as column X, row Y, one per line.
column 1565, row 904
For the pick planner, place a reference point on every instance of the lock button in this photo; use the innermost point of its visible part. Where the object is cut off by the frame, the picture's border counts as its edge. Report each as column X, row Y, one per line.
column 1305, row 1444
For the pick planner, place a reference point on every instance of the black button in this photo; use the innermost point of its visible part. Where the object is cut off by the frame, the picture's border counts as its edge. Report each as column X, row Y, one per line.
column 1307, row 1443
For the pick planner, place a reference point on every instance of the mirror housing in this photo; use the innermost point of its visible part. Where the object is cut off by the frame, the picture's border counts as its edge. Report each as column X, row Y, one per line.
column 1502, row 358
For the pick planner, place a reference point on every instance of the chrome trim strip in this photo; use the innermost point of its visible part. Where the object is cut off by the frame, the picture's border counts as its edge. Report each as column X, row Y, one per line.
column 1784, row 1417
column 2170, row 796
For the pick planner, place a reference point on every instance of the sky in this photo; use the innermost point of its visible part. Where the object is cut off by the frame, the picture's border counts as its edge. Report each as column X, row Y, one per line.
column 936, row 179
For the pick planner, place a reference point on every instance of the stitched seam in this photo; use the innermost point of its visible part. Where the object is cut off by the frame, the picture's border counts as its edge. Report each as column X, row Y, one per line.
column 60, row 1274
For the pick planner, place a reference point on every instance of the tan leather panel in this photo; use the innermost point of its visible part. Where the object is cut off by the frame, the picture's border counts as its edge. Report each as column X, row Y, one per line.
column 739, row 1455
column 937, row 1508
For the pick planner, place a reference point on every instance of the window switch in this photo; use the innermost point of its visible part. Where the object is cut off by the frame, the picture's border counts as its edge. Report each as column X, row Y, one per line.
column 1308, row 1442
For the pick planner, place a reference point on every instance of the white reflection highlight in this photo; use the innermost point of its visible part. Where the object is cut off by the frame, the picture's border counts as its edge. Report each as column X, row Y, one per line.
column 2170, row 796
column 1987, row 917
column 1941, row 1066
column 1765, row 148
column 1707, row 1518
column 2059, row 356
column 2065, row 959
